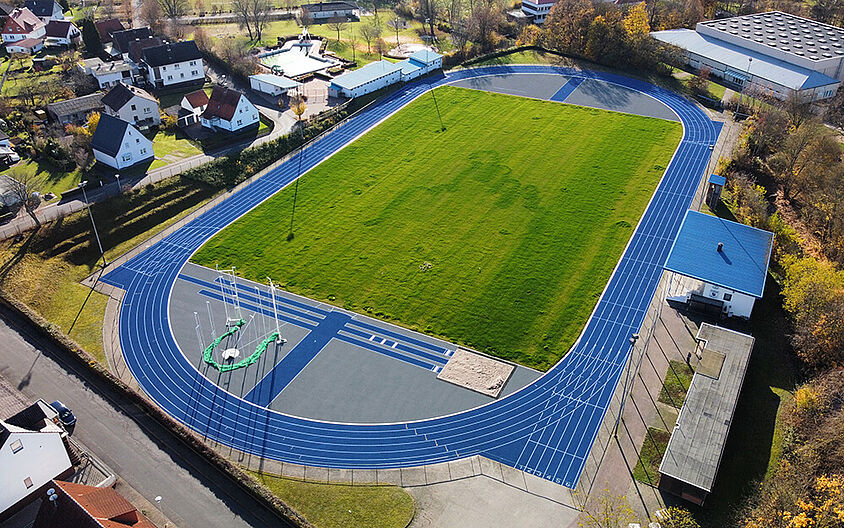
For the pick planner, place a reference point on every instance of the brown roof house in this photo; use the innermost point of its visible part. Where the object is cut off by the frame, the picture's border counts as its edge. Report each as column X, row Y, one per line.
column 229, row 110
column 81, row 506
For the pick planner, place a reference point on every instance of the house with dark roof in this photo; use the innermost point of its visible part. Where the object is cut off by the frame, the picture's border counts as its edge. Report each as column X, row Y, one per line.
column 121, row 39
column 84, row 506
column 106, row 28
column 137, row 47
column 191, row 107
column 61, row 33
column 46, row 10
column 32, row 453
column 174, row 64
column 229, row 110
column 5, row 11
column 118, row 144
column 132, row 104
column 325, row 11
column 22, row 24
column 75, row 110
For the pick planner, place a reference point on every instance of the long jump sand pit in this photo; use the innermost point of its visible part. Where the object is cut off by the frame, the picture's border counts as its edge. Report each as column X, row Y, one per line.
column 476, row 372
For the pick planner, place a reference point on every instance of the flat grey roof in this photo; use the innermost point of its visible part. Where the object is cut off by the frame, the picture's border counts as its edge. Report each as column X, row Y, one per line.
column 697, row 442
column 736, row 58
column 796, row 35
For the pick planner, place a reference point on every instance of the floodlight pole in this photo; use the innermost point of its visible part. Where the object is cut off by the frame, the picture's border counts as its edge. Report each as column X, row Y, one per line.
column 632, row 342
column 82, row 185
column 298, row 175
column 278, row 339
column 211, row 320
column 442, row 126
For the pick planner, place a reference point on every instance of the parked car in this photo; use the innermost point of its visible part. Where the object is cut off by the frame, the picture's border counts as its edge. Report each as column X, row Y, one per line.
column 65, row 415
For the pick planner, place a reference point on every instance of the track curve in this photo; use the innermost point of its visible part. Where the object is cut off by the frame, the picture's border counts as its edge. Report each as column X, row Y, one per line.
column 547, row 428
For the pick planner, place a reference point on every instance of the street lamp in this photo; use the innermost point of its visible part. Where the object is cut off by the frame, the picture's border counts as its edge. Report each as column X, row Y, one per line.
column 632, row 341
column 82, row 185
column 158, row 502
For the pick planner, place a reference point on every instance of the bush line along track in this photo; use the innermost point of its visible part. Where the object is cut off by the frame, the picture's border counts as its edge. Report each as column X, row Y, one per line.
column 546, row 428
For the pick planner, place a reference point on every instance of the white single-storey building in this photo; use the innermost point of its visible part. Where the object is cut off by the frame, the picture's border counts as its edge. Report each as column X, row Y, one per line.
column 420, row 63
column 229, row 110
column 773, row 53
column 25, row 46
column 370, row 78
column 720, row 266
column 272, row 84
column 325, row 11
column 537, row 10
column 118, row 144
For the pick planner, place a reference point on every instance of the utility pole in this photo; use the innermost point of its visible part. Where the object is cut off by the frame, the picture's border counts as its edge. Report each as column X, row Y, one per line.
column 82, row 185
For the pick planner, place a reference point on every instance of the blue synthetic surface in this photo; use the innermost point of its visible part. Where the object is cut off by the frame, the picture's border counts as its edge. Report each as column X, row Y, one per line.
column 546, row 428
column 742, row 263
column 566, row 90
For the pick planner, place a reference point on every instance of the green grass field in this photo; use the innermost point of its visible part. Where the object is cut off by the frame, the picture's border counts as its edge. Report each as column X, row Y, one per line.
column 499, row 233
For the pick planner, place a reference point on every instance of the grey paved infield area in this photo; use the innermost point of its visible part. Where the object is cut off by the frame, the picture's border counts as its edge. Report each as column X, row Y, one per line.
column 538, row 86
column 598, row 94
column 343, row 383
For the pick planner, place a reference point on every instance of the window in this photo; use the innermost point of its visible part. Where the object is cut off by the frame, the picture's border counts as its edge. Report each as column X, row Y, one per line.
column 147, row 110
column 728, row 296
column 137, row 140
column 178, row 66
column 169, row 77
column 143, row 151
column 182, row 75
column 194, row 73
column 133, row 108
column 16, row 446
column 193, row 63
column 239, row 122
column 27, row 482
column 164, row 68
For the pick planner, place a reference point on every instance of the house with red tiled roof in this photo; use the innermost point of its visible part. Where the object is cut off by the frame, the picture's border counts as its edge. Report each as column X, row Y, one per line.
column 83, row 506
column 192, row 107
column 229, row 110
column 105, row 29
column 22, row 24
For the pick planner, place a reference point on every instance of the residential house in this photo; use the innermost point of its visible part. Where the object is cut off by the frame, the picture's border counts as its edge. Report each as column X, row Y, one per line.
column 121, row 39
column 61, row 33
column 28, row 46
column 32, row 454
column 118, row 144
column 191, row 107
column 46, row 10
column 75, row 110
column 372, row 77
column 22, row 24
column 84, row 506
column 325, row 11
column 137, row 47
column 132, row 104
column 174, row 64
column 106, row 28
column 109, row 73
column 229, row 110
column 7, row 154
column 537, row 10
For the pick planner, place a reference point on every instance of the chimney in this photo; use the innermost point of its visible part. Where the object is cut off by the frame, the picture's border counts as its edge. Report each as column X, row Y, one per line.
column 720, row 247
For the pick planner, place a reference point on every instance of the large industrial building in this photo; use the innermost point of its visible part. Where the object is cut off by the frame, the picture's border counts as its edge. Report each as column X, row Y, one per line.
column 774, row 53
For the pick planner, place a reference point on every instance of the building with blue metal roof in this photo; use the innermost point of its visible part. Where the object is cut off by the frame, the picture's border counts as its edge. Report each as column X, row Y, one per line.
column 727, row 262
column 774, row 53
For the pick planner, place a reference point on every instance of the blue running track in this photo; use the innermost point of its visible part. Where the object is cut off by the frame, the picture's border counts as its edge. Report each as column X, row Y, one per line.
column 547, row 428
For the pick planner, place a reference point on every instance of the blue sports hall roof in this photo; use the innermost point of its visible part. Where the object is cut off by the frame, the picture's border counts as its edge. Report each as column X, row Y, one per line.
column 742, row 263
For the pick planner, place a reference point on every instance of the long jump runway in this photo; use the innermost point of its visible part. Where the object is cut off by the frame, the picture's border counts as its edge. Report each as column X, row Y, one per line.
column 546, row 428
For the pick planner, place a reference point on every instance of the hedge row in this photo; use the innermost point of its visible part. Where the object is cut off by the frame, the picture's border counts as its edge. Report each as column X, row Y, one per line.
column 185, row 435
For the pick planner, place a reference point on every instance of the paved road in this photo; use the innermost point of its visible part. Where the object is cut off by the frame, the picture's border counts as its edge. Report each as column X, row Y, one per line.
column 136, row 447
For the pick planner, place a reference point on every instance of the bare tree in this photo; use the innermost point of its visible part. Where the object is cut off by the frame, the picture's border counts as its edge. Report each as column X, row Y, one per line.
column 174, row 8
column 353, row 41
column 337, row 24
column 397, row 24
column 369, row 33
column 305, row 19
column 241, row 10
column 152, row 15
column 22, row 184
column 252, row 15
column 381, row 47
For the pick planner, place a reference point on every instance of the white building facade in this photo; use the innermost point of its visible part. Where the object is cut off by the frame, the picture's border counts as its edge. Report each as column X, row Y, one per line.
column 229, row 110
column 133, row 105
column 173, row 64
column 118, row 144
column 370, row 78
column 537, row 10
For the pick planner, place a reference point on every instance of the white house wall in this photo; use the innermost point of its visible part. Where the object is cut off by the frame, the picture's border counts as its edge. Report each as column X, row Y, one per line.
column 177, row 73
column 144, row 109
column 42, row 457
column 133, row 149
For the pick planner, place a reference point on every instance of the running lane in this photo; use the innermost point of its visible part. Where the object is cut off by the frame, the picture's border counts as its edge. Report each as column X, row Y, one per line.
column 547, row 428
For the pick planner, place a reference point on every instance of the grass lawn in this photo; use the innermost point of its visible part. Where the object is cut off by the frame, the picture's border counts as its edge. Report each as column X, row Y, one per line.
column 49, row 179
column 44, row 269
column 676, row 384
column 341, row 506
column 650, row 456
column 171, row 147
column 523, row 57
column 499, row 233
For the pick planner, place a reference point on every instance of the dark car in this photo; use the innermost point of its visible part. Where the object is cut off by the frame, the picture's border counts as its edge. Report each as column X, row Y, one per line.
column 65, row 414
